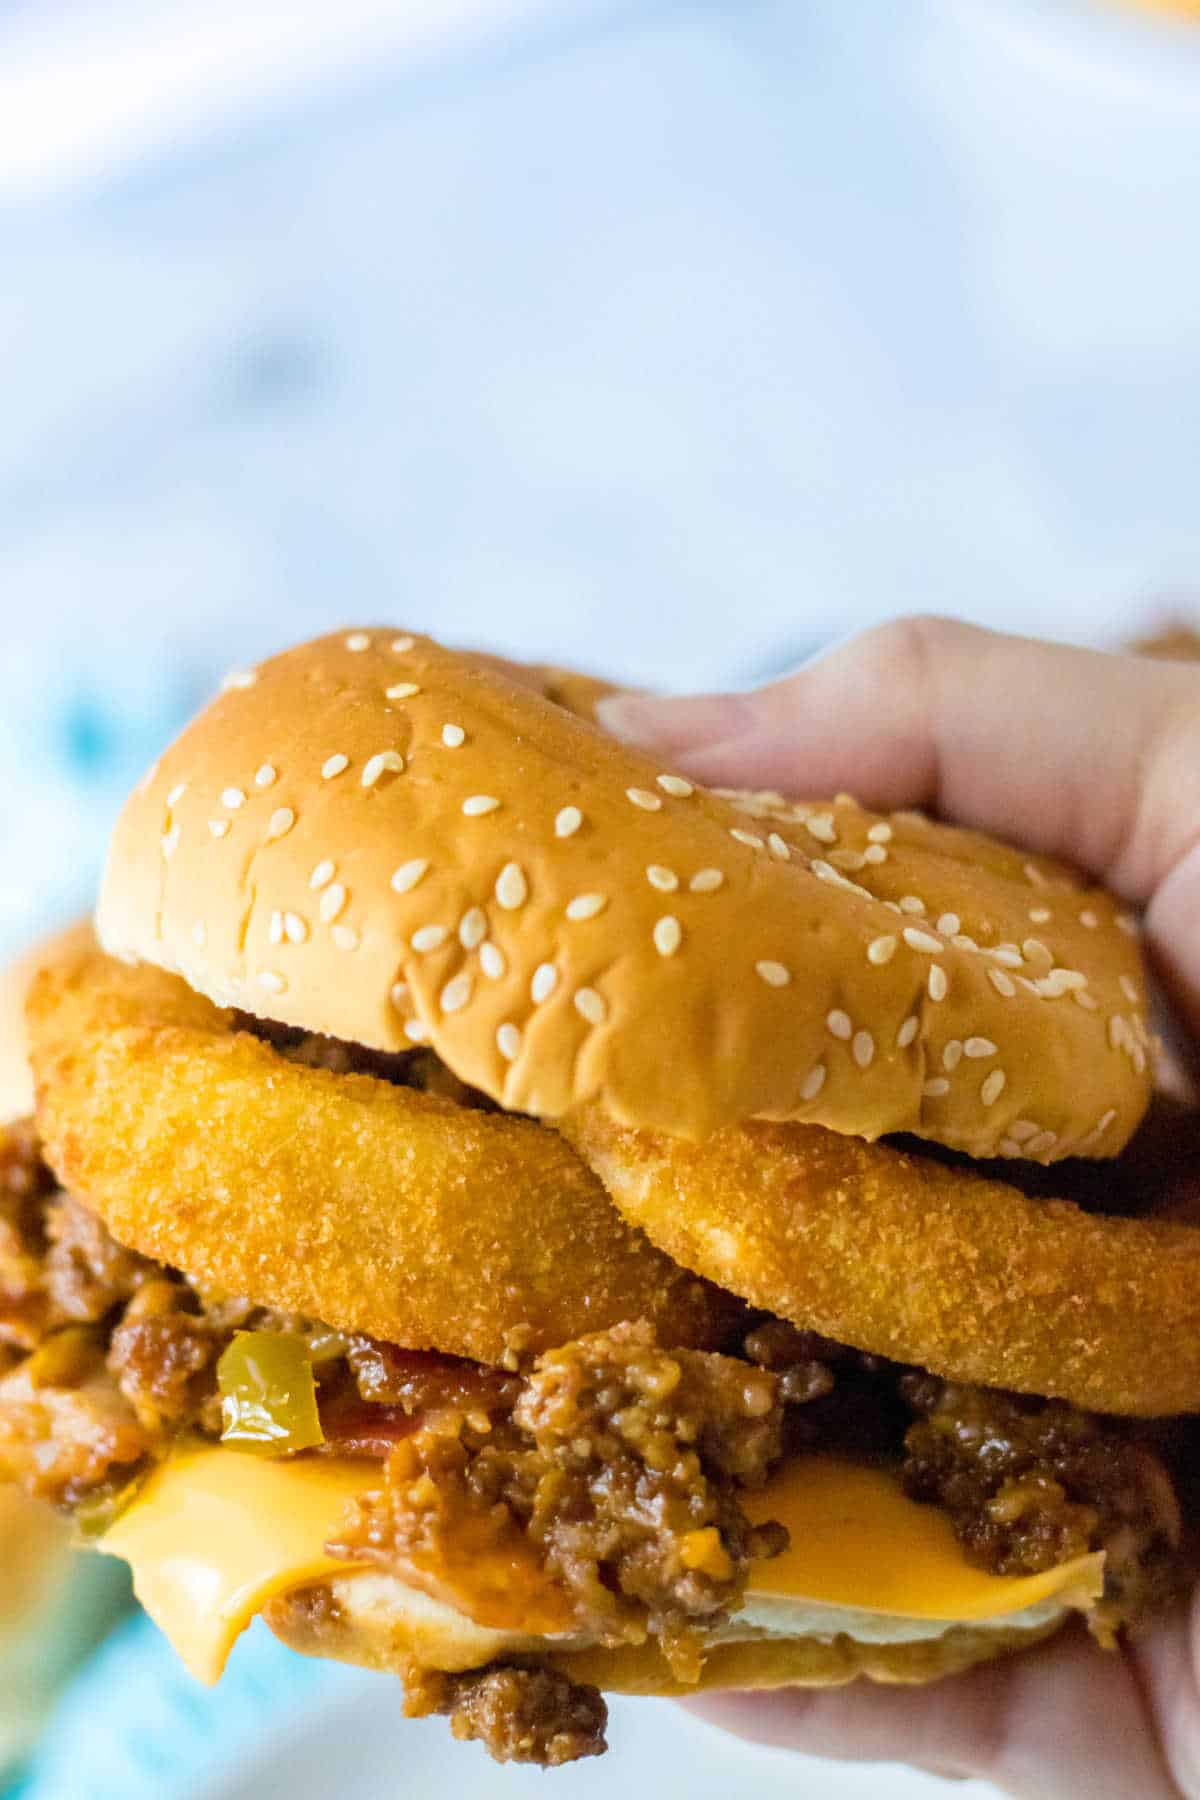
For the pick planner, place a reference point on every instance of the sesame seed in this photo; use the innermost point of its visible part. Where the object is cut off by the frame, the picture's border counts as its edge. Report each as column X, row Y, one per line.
column 408, row 874
column 1139, row 1059
column 875, row 853
column 453, row 736
column 345, row 937
column 475, row 805
column 746, row 837
column 1042, row 1144
column 472, row 928
column 949, row 924
column 567, row 821
column 508, row 1041
column 384, row 762
column 644, row 798
column 880, row 834
column 992, row 1087
column 399, row 995
column 1034, row 951
column 332, row 902
column 1081, row 997
column 706, row 881
column 219, row 827
column 266, row 775
column 322, row 875
column 1008, row 1147
column 275, row 929
column 512, row 889
column 428, row 937
column 668, row 935
column 176, row 794
column 239, row 678
column 842, row 859
column 200, row 934
column 1003, row 984
column 838, row 1024
column 456, row 993
column 416, row 1031
column 232, row 798
column 921, row 940
column 908, row 1031
column 1088, row 919
column 963, row 941
column 1129, row 989
column 491, row 961
column 273, row 982
column 777, row 846
column 1127, row 923
column 1034, row 876
column 401, row 644
column 934, row 1089
column 280, row 823
column 1008, row 954
column 358, row 640
column 1117, row 1031
column 938, row 983
column 591, row 1006
column 1023, row 1129
column 295, row 928
column 912, row 903
column 952, row 1055
column 665, row 880
column 170, row 842
column 813, row 1082
column 586, row 906
column 863, row 1049
column 773, row 973
column 544, row 982
column 881, row 950
column 822, row 827
column 1059, row 982
column 979, row 1046
column 403, row 690
column 1040, row 915
column 147, row 781
column 334, row 766
column 676, row 785
column 1103, row 1124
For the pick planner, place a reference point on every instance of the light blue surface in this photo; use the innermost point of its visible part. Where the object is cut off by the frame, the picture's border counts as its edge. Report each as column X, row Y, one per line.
column 136, row 1726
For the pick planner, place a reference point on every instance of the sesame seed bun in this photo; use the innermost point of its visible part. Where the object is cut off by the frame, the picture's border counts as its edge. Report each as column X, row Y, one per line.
column 379, row 839
column 376, row 1622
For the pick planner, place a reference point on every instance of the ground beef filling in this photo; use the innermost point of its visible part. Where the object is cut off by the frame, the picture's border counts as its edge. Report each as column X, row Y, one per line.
column 598, row 1484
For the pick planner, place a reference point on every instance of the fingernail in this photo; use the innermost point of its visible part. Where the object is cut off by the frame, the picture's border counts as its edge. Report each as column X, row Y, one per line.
column 677, row 724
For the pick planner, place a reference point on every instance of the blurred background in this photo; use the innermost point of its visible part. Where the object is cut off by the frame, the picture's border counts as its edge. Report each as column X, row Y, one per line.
column 667, row 339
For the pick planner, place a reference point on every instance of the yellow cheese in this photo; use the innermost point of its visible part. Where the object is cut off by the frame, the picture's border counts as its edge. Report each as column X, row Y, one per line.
column 216, row 1533
column 858, row 1541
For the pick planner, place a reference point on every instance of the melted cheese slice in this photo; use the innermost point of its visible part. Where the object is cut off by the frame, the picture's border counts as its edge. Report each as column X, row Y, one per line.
column 216, row 1533
column 858, row 1541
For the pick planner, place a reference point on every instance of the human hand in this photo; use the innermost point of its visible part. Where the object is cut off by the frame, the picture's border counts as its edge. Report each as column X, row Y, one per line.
column 1095, row 758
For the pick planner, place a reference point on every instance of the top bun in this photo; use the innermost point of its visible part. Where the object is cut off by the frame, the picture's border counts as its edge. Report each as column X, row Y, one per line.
column 386, row 841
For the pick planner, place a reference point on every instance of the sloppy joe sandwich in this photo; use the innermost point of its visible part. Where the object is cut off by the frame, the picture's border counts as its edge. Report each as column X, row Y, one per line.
column 514, row 1217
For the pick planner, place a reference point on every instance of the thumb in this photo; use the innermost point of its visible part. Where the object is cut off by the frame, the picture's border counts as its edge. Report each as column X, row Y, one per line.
column 1081, row 754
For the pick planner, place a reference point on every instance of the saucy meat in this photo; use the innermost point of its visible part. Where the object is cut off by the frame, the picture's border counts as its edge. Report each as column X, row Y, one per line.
column 518, row 1714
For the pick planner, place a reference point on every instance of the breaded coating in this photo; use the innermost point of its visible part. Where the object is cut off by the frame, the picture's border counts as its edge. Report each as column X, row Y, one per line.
column 342, row 1197
column 926, row 1264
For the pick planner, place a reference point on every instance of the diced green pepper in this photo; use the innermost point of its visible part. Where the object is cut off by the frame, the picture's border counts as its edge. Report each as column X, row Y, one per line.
column 268, row 1395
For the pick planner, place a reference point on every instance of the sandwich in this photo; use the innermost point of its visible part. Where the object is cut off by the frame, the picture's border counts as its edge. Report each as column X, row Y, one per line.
column 510, row 1216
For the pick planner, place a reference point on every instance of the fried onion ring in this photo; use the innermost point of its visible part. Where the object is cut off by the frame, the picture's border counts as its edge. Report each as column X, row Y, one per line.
column 903, row 1257
column 366, row 1205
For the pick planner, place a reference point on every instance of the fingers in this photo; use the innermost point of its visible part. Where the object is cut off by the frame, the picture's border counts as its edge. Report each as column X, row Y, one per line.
column 1085, row 755
column 1050, row 1724
column 1168, row 1665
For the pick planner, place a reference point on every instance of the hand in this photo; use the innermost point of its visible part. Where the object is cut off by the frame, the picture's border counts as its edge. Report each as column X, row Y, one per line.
column 1095, row 758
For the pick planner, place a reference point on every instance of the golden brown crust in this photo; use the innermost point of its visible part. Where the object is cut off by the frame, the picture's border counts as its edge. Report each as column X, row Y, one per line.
column 325, row 1622
column 377, row 842
column 341, row 1197
column 907, row 1258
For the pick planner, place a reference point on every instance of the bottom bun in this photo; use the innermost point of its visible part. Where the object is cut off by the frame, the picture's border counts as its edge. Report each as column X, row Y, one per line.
column 378, row 1623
